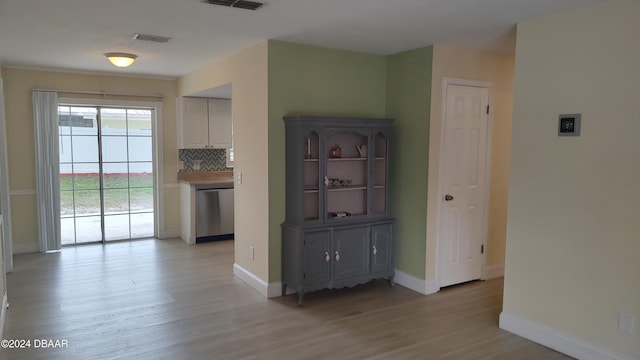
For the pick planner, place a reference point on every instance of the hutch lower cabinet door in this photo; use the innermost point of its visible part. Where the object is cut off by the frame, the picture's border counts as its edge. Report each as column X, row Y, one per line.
column 316, row 252
column 335, row 258
column 350, row 253
column 381, row 250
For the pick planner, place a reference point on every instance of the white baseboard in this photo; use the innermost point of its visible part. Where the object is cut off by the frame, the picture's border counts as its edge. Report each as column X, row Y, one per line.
column 252, row 280
column 556, row 339
column 275, row 290
column 492, row 272
column 271, row 290
column 3, row 314
column 421, row 286
column 22, row 248
column 401, row 278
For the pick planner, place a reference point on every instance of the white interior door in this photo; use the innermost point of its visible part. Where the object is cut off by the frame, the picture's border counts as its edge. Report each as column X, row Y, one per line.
column 464, row 162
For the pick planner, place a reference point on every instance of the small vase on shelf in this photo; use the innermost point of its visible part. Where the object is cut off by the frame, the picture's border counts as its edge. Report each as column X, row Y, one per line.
column 335, row 152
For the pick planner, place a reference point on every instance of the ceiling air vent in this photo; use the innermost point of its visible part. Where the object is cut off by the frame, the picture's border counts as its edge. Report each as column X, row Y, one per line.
column 241, row 4
column 152, row 38
column 249, row 5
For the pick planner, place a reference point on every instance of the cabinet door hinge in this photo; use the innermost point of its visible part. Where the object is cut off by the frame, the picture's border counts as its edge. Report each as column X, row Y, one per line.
column 482, row 249
column 487, row 109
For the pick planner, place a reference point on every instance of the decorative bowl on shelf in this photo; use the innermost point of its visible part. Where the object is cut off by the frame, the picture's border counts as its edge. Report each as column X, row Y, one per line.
column 345, row 182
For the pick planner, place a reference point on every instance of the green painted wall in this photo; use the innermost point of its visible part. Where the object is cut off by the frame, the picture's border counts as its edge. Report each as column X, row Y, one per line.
column 314, row 81
column 408, row 101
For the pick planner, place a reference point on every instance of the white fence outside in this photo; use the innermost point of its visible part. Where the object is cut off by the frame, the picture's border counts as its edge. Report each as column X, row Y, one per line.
column 120, row 154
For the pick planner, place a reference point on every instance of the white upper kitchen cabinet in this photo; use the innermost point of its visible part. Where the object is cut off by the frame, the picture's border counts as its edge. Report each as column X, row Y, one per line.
column 220, row 123
column 194, row 123
column 205, row 123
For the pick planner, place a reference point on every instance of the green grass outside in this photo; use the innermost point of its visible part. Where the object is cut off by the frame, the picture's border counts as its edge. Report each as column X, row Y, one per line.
column 117, row 196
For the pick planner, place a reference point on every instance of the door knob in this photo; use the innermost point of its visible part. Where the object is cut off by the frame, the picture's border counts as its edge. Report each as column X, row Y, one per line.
column 448, row 197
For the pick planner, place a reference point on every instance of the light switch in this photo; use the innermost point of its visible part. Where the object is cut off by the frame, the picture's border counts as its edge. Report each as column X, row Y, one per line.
column 625, row 323
column 239, row 178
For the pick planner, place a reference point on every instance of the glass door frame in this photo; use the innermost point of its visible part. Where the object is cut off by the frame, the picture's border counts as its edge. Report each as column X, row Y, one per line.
column 157, row 153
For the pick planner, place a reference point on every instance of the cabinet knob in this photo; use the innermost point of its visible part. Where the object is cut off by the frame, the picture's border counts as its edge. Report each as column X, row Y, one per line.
column 448, row 197
column 337, row 256
column 327, row 258
column 375, row 250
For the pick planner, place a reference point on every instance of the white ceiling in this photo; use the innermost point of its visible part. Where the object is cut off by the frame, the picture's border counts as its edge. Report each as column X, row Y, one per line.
column 74, row 34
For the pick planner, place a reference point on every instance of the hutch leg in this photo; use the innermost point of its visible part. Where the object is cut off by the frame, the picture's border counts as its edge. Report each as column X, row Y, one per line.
column 300, row 298
column 284, row 288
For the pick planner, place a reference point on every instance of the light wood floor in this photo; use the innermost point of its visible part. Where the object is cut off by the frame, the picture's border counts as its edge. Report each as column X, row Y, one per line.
column 163, row 299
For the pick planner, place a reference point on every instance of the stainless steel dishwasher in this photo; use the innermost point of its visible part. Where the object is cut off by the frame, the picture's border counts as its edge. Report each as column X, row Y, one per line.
column 214, row 212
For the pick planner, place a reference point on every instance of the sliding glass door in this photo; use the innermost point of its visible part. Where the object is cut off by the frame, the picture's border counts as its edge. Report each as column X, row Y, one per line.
column 106, row 173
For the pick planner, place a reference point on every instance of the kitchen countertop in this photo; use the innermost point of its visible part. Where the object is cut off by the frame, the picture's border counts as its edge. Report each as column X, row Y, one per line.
column 197, row 178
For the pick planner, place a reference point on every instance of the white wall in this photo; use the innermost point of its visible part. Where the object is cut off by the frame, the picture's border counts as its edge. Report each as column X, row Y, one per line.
column 247, row 72
column 573, row 239
column 18, row 84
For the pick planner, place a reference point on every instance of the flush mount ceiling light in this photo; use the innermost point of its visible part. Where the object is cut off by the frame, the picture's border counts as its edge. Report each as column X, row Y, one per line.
column 121, row 59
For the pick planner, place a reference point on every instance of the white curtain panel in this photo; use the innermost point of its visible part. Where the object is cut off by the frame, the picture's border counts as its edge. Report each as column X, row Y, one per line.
column 45, row 115
column 5, row 206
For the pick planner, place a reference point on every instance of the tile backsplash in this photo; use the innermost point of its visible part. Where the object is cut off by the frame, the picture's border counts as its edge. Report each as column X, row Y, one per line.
column 210, row 159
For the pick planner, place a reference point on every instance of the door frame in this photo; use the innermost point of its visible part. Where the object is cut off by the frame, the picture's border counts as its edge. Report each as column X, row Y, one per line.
column 156, row 143
column 486, row 191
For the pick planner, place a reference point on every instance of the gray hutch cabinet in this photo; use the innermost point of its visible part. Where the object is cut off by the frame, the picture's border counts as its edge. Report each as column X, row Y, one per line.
column 337, row 232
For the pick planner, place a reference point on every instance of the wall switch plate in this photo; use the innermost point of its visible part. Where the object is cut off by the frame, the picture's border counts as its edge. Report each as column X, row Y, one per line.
column 239, row 177
column 625, row 323
column 569, row 124
column 252, row 252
